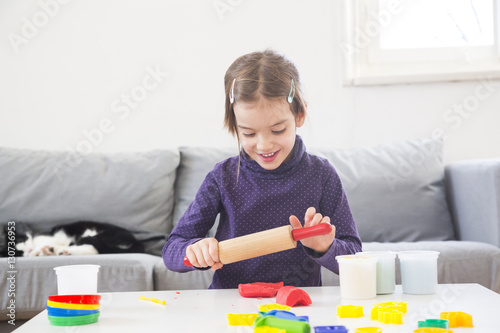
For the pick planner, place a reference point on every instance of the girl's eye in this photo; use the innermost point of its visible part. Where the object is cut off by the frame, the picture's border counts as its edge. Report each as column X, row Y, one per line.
column 248, row 135
column 279, row 132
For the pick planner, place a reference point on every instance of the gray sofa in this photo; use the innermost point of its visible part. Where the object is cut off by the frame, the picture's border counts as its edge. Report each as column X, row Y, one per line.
column 401, row 195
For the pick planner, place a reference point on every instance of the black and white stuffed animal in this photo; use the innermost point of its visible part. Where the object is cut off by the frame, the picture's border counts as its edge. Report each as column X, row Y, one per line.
column 80, row 238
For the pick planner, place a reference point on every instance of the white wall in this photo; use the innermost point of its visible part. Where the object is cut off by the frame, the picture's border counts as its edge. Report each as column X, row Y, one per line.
column 66, row 65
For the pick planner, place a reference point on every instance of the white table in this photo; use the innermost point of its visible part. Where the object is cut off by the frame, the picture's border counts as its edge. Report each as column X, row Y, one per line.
column 205, row 310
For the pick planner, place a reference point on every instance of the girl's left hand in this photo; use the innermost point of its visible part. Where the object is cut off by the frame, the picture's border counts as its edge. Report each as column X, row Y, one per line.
column 320, row 244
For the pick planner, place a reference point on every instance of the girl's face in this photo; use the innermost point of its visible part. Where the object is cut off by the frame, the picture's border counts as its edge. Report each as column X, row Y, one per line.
column 266, row 129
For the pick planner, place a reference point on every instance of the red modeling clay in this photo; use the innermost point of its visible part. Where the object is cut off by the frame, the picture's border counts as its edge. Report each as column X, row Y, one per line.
column 259, row 289
column 292, row 296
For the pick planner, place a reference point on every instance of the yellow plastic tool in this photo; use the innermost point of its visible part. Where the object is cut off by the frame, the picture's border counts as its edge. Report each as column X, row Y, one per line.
column 368, row 330
column 457, row 319
column 432, row 330
column 154, row 300
column 73, row 306
column 241, row 319
column 269, row 307
column 349, row 311
column 389, row 312
column 267, row 329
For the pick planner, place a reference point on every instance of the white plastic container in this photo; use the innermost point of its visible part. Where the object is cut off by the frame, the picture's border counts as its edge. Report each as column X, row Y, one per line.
column 77, row 279
column 358, row 276
column 386, row 270
column 419, row 274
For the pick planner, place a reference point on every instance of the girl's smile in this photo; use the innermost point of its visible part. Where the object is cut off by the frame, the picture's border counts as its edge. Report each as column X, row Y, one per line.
column 267, row 129
column 268, row 158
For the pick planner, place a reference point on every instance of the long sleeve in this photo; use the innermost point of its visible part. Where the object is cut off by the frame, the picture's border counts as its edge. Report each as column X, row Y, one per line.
column 194, row 224
column 334, row 204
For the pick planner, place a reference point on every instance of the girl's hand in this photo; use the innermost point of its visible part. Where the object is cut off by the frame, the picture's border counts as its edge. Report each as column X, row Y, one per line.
column 204, row 253
column 320, row 244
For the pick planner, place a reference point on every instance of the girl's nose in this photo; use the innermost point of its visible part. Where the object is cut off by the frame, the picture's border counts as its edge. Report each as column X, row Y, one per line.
column 264, row 143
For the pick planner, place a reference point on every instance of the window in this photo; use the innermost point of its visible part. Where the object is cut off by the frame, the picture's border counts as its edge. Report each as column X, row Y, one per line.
column 397, row 41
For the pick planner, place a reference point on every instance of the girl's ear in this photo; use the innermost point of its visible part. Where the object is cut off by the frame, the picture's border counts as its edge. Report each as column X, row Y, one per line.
column 300, row 119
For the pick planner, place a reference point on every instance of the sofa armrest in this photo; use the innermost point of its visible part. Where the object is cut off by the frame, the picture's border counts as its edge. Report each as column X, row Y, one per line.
column 473, row 191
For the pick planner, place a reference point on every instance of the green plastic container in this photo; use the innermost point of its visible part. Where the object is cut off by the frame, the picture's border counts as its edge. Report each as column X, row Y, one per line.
column 74, row 321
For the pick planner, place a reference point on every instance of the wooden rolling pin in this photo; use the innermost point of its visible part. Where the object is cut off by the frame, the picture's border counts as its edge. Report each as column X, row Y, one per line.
column 265, row 242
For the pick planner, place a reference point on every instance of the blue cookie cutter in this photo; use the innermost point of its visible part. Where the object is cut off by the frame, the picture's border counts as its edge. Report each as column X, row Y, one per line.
column 287, row 315
column 60, row 312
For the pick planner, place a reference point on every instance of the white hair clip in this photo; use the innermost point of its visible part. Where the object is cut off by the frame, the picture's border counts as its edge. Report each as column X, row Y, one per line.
column 231, row 93
column 292, row 89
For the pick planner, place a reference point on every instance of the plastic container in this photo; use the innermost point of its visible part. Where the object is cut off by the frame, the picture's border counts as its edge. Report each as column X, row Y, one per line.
column 358, row 276
column 386, row 270
column 59, row 312
column 73, row 306
column 419, row 272
column 77, row 279
column 75, row 320
column 76, row 299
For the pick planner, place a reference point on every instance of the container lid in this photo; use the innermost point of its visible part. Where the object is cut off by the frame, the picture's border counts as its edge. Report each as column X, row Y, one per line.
column 417, row 254
column 76, row 299
column 73, row 306
column 390, row 254
column 356, row 258
column 76, row 267
column 73, row 321
column 59, row 312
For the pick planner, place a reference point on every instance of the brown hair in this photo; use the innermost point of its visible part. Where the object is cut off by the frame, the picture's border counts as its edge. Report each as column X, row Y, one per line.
column 261, row 74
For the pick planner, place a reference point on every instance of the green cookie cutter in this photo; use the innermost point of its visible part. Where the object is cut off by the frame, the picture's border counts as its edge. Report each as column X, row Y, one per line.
column 74, row 321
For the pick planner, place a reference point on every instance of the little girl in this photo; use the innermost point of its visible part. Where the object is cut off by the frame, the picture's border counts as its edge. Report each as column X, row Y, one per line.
column 270, row 183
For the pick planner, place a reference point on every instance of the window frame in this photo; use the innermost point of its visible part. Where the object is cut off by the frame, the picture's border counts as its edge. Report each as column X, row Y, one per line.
column 359, row 47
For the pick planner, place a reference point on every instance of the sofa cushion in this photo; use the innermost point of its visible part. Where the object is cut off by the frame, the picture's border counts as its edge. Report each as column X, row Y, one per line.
column 195, row 164
column 473, row 189
column 458, row 262
column 133, row 190
column 165, row 279
column 396, row 191
column 36, row 278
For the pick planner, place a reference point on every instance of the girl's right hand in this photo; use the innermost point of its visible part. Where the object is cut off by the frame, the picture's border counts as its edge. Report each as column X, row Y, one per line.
column 204, row 253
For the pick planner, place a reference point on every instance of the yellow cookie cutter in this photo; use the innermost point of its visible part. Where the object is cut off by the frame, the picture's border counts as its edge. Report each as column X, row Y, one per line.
column 349, row 311
column 368, row 330
column 73, row 306
column 267, row 329
column 243, row 319
column 389, row 312
column 457, row 319
column 432, row 330
column 269, row 307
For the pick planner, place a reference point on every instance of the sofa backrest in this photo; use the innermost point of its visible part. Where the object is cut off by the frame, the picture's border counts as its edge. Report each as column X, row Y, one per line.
column 396, row 191
column 196, row 163
column 133, row 190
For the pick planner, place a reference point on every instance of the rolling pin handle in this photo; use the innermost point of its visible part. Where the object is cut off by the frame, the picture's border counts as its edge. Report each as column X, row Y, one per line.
column 317, row 230
column 187, row 262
